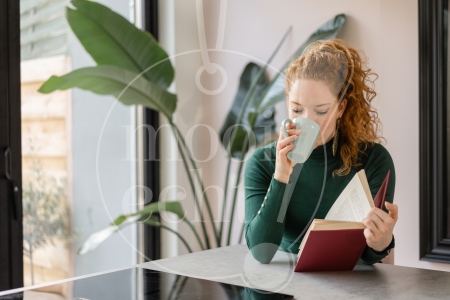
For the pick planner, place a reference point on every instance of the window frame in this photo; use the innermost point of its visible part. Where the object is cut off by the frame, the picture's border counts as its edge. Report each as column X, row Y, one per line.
column 152, row 235
column 433, row 162
column 11, row 234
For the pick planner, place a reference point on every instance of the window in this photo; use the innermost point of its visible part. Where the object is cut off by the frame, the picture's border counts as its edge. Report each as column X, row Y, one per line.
column 70, row 148
column 434, row 131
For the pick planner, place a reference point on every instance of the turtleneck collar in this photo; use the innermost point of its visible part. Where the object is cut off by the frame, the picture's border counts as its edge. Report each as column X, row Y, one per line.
column 322, row 150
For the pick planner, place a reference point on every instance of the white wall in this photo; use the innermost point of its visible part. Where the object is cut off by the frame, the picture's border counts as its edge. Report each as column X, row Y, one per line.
column 386, row 30
column 193, row 105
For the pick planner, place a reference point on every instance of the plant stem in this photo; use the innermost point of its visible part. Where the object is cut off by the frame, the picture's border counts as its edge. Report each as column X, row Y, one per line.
column 201, row 185
column 180, row 236
column 224, row 205
column 242, row 233
column 31, row 265
column 182, row 285
column 197, row 204
column 242, row 111
column 241, row 164
column 171, row 230
column 173, row 289
column 252, row 88
column 195, row 232
column 189, row 224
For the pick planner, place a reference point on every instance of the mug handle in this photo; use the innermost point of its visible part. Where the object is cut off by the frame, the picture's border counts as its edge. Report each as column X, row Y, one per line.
column 283, row 127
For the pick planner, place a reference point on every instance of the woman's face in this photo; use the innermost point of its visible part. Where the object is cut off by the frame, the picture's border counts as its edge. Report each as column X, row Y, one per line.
column 313, row 99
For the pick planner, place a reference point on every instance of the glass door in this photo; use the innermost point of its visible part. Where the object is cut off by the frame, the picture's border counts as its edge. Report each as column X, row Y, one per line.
column 46, row 137
column 77, row 172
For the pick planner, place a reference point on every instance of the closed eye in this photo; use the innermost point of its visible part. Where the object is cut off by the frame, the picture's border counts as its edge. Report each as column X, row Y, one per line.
column 322, row 112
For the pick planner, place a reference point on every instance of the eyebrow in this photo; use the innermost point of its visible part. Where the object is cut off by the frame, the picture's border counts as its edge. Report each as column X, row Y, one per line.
column 314, row 106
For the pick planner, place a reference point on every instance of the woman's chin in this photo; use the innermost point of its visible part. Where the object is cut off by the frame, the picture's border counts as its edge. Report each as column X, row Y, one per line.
column 319, row 143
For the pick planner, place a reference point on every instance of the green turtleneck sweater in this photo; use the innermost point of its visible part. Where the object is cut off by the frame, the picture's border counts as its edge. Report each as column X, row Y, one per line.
column 278, row 214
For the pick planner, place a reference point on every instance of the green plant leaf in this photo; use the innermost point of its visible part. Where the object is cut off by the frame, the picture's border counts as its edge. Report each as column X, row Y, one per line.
column 258, row 124
column 119, row 220
column 167, row 206
column 275, row 91
column 99, row 237
column 111, row 39
column 111, row 80
column 145, row 215
column 153, row 221
column 253, row 81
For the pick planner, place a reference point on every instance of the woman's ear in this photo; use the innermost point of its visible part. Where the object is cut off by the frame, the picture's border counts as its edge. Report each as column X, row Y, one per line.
column 342, row 107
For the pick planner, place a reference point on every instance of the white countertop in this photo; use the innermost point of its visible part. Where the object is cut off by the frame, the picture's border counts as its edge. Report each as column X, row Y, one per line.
column 235, row 265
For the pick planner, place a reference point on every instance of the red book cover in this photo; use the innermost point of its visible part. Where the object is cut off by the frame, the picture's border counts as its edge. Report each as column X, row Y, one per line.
column 336, row 250
column 331, row 250
column 378, row 201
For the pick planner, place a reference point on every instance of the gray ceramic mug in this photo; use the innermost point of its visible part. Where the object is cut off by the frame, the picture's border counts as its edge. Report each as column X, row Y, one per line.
column 304, row 144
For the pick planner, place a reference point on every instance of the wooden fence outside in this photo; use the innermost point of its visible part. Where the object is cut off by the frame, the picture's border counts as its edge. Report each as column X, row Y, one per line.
column 44, row 31
column 46, row 118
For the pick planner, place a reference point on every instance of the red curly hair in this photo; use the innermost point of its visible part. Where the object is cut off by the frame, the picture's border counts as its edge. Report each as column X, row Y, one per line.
column 331, row 62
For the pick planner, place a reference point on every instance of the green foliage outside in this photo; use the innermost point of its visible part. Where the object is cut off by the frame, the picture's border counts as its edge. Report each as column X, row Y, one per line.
column 45, row 214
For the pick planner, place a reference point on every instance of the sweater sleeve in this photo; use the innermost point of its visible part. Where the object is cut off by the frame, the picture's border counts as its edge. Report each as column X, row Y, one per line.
column 264, row 224
column 377, row 166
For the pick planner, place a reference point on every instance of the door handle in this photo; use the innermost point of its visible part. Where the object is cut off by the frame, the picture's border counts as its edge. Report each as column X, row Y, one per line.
column 8, row 164
column 16, row 191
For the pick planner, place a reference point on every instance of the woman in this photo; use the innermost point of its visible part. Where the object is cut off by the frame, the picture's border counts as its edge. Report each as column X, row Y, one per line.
column 330, row 84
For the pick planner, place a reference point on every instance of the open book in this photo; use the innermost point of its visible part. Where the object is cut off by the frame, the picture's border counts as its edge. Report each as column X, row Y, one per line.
column 337, row 242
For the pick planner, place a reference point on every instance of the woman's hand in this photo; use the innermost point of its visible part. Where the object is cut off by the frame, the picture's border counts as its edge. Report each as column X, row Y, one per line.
column 380, row 226
column 283, row 165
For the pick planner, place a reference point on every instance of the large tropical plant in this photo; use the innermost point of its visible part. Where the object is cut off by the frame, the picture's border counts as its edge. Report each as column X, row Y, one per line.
column 137, row 71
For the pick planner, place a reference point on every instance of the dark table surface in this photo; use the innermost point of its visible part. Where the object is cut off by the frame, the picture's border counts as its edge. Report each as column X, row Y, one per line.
column 142, row 284
column 234, row 265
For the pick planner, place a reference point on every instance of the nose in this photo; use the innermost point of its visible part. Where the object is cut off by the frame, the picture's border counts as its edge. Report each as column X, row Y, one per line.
column 310, row 115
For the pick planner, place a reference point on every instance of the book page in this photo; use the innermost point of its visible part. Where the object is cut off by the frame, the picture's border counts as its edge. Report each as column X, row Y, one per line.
column 302, row 244
column 352, row 204
column 365, row 184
